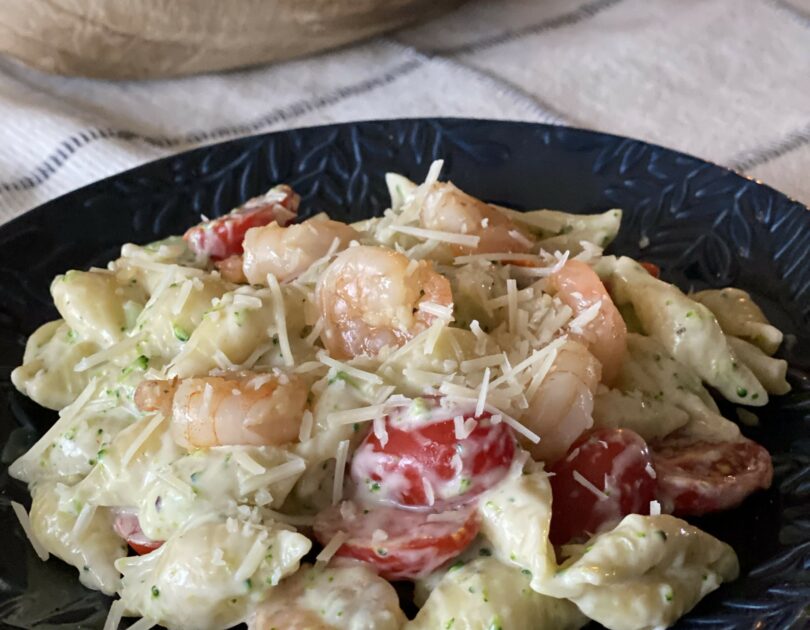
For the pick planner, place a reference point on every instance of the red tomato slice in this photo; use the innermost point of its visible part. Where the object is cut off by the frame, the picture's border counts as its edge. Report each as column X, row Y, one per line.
column 652, row 269
column 127, row 526
column 428, row 466
column 400, row 544
column 222, row 237
column 697, row 477
column 618, row 463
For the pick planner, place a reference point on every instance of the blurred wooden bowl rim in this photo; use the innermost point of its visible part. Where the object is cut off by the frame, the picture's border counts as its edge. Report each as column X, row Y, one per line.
column 136, row 39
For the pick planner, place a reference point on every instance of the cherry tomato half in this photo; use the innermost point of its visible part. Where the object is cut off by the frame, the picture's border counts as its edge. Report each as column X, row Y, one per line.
column 698, row 477
column 652, row 269
column 222, row 237
column 127, row 526
column 400, row 544
column 618, row 464
column 428, row 466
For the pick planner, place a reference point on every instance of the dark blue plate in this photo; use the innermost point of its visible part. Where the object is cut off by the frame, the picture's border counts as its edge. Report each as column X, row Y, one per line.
column 707, row 227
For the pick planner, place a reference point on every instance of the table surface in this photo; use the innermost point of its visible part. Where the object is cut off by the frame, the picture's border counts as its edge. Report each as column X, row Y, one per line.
column 726, row 80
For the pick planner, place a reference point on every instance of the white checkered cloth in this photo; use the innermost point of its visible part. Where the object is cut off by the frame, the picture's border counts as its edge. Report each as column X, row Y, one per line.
column 726, row 80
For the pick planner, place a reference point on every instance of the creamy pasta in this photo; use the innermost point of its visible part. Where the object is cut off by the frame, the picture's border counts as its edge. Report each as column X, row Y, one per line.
column 270, row 421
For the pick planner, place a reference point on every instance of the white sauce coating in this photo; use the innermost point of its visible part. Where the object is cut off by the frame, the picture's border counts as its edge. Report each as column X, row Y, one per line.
column 229, row 515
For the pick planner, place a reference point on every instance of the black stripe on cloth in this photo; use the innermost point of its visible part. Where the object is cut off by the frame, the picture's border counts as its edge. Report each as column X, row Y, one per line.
column 803, row 17
column 62, row 153
column 760, row 156
column 581, row 14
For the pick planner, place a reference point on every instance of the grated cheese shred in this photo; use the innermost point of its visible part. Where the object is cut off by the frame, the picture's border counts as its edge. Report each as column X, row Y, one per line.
column 581, row 480
column 281, row 320
column 340, row 470
column 465, row 240
column 114, row 615
column 139, row 440
column 25, row 522
column 331, row 548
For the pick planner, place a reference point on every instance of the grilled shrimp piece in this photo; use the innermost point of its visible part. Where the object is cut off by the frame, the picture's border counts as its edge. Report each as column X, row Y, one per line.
column 578, row 286
column 449, row 209
column 237, row 409
column 289, row 251
column 560, row 410
column 371, row 297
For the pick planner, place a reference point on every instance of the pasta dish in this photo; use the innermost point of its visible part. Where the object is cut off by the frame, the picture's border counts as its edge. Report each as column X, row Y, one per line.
column 456, row 410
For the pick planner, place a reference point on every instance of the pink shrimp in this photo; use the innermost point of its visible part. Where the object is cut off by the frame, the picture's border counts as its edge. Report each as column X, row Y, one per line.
column 578, row 286
column 449, row 209
column 245, row 408
column 370, row 297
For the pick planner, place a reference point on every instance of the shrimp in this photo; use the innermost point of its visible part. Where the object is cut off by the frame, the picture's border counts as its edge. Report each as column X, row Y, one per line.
column 449, row 209
column 230, row 268
column 370, row 297
column 287, row 252
column 276, row 615
column 319, row 598
column 578, row 286
column 237, row 409
column 560, row 410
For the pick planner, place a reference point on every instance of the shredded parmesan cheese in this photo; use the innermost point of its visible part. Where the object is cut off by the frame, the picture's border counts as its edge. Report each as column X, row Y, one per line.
column 581, row 480
column 331, row 548
column 655, row 508
column 437, row 310
column 305, row 431
column 278, row 473
column 144, row 623
column 281, row 320
column 83, row 522
column 463, row 428
column 114, row 615
column 482, row 394
column 103, row 356
column 350, row 370
column 290, row 519
column 350, row 416
column 249, row 464
column 251, row 562
column 182, row 296
column 308, row 366
column 250, row 302
column 315, row 332
column 463, row 260
column 25, row 522
column 465, row 240
column 515, row 424
column 577, row 325
column 511, row 293
column 446, row 517
column 380, row 432
column 473, row 365
column 340, row 470
column 139, row 439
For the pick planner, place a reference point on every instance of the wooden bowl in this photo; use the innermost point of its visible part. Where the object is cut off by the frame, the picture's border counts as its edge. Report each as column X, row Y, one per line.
column 135, row 39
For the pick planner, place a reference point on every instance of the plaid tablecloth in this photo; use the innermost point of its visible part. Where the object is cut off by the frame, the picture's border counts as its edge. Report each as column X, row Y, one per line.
column 727, row 80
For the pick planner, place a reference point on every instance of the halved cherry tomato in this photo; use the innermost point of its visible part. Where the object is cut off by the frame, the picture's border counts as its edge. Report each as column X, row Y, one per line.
column 698, row 477
column 222, row 237
column 618, row 464
column 127, row 526
column 652, row 269
column 427, row 465
column 400, row 544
